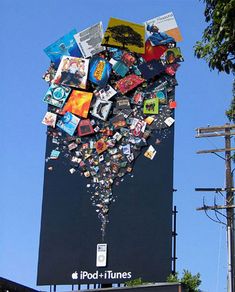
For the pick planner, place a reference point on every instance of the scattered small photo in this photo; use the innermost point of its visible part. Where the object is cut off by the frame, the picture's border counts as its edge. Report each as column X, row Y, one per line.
column 151, row 106
column 100, row 146
column 169, row 121
column 162, row 96
column 150, row 153
column 49, row 119
column 118, row 121
column 85, row 128
column 54, row 154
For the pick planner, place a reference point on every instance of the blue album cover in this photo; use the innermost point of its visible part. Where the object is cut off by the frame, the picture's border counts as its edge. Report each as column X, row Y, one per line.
column 56, row 95
column 68, row 123
column 65, row 46
column 120, row 68
column 99, row 71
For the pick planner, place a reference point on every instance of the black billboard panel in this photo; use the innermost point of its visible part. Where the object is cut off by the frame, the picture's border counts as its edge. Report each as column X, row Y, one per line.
column 108, row 181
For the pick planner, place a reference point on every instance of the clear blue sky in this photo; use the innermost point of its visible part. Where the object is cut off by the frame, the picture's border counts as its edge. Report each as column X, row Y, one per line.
column 26, row 28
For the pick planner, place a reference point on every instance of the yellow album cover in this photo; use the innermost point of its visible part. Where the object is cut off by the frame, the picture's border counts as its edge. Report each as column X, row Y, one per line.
column 125, row 35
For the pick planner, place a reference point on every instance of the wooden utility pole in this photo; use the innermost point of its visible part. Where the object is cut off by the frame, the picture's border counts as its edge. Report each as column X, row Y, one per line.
column 227, row 131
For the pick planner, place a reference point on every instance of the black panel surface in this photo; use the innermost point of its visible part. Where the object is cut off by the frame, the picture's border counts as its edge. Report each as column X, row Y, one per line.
column 138, row 234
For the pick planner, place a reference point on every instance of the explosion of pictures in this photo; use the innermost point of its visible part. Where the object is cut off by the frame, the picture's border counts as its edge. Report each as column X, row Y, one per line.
column 102, row 109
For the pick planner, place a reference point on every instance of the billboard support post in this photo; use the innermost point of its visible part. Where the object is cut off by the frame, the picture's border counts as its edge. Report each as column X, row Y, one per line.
column 174, row 235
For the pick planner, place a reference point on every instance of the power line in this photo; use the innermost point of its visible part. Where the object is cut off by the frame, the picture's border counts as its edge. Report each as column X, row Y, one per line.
column 226, row 131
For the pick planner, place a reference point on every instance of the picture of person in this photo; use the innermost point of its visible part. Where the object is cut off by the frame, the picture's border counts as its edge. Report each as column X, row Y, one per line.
column 72, row 72
column 158, row 38
column 173, row 56
column 63, row 50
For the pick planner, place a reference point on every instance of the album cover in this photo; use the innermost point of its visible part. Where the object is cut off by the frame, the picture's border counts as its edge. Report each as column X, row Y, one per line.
column 128, row 59
column 118, row 121
column 126, row 149
column 99, row 71
column 54, row 154
column 56, row 95
column 49, row 119
column 78, row 103
column 162, row 96
column 68, row 123
column 101, row 146
column 138, row 97
column 172, row 68
column 120, row 68
column 153, row 52
column 101, row 109
column 128, row 83
column 149, row 120
column 172, row 55
column 172, row 104
column 85, row 128
column 49, row 75
column 163, row 29
column 123, row 103
column 115, row 167
column 137, row 128
column 89, row 40
column 169, row 121
column 151, row 106
column 65, row 46
column 151, row 69
column 105, row 93
column 72, row 72
column 150, row 153
column 125, row 34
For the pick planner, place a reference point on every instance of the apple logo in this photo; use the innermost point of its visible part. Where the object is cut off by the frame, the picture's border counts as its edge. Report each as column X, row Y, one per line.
column 75, row 275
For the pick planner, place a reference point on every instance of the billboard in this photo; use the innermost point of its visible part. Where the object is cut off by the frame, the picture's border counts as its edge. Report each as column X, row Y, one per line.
column 108, row 179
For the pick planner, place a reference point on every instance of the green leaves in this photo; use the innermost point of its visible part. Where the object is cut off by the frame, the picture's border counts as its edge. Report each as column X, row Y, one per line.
column 135, row 282
column 189, row 281
column 217, row 45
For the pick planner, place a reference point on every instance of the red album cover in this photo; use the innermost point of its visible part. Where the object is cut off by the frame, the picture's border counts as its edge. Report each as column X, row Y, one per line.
column 128, row 83
column 153, row 52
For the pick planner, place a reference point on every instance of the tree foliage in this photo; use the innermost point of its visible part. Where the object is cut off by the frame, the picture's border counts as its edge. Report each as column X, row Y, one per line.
column 230, row 113
column 134, row 282
column 125, row 35
column 190, row 282
column 217, row 44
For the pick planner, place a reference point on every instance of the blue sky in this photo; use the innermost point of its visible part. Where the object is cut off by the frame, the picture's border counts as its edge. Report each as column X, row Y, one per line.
column 26, row 28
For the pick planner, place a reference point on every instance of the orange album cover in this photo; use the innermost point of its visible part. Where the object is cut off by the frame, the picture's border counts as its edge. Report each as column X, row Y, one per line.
column 78, row 103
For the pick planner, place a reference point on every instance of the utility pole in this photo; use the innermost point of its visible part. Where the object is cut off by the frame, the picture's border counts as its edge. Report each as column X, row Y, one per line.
column 227, row 131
